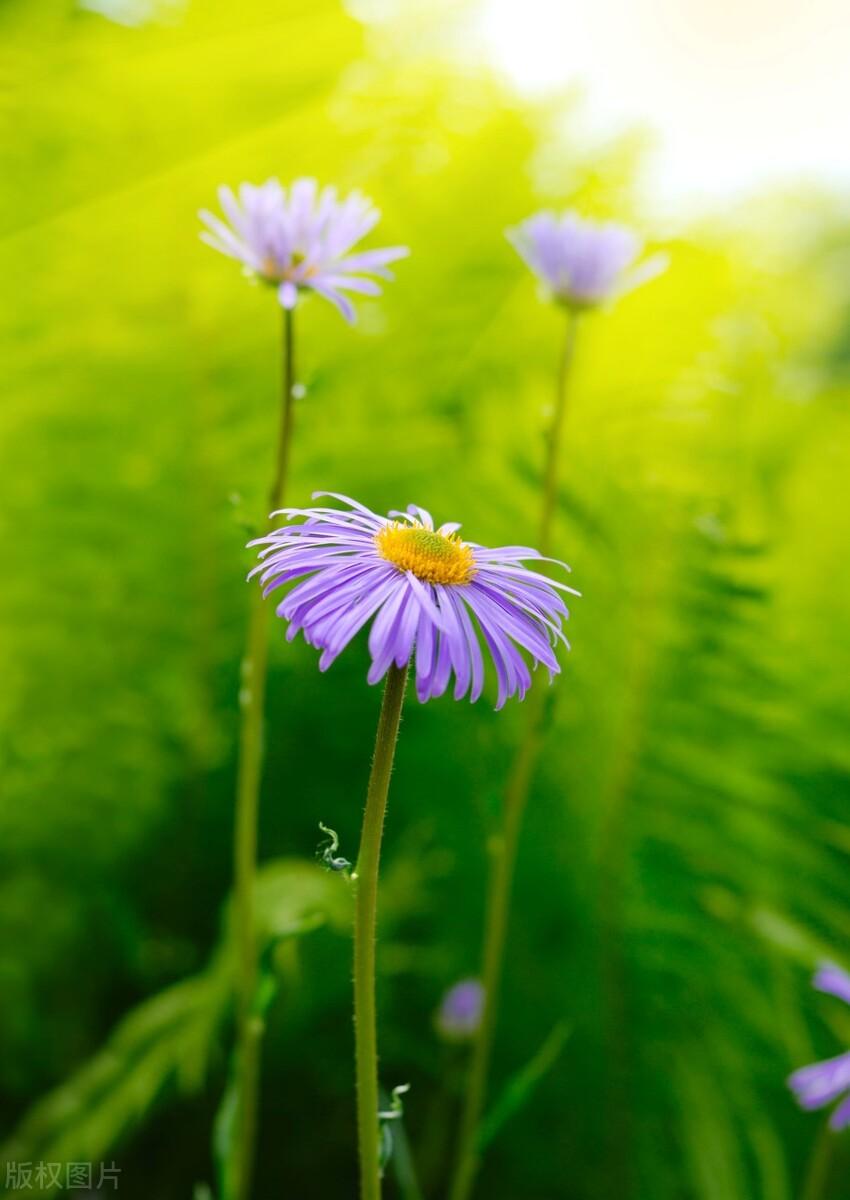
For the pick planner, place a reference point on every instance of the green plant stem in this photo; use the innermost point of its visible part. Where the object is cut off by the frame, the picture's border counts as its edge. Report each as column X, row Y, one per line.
column 504, row 852
column 502, row 865
column 551, row 470
column 818, row 1168
column 252, row 705
column 365, row 881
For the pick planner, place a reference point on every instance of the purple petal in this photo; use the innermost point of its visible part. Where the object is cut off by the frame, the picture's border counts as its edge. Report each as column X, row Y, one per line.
column 301, row 237
column 339, row 301
column 821, row 1082
column 351, row 283
column 288, row 294
column 581, row 262
column 373, row 261
column 331, row 564
column 834, row 981
column 426, row 646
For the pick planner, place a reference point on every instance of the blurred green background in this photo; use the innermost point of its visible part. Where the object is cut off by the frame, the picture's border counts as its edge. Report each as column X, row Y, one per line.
column 685, row 859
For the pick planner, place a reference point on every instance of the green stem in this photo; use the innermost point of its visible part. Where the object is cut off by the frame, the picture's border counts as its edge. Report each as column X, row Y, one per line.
column 252, row 703
column 818, row 1169
column 495, row 935
column 365, row 880
column 504, row 854
column 551, row 471
column 278, row 488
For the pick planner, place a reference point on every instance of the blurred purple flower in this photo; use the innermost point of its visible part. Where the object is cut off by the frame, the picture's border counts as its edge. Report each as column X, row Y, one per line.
column 459, row 1014
column 582, row 263
column 301, row 240
column 821, row 1083
column 431, row 595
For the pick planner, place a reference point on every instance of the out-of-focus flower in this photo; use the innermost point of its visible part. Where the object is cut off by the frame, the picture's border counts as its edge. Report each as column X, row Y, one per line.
column 459, row 1014
column 431, row 595
column 300, row 239
column 582, row 263
column 819, row 1084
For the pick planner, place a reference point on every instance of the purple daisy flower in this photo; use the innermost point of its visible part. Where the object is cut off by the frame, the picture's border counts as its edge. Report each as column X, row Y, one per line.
column 582, row 263
column 821, row 1083
column 459, row 1014
column 431, row 595
column 301, row 240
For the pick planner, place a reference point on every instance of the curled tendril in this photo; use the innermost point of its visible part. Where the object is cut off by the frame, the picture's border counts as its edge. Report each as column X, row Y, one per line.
column 387, row 1115
column 396, row 1108
column 327, row 852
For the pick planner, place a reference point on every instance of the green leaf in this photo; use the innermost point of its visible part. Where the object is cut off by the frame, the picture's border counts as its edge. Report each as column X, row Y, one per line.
column 520, row 1087
column 167, row 1044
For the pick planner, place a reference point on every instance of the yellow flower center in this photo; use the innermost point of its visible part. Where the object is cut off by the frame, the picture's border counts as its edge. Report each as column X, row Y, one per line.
column 272, row 271
column 434, row 557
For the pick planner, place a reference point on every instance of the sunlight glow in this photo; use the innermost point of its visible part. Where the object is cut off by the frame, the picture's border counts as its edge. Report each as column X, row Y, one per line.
column 737, row 95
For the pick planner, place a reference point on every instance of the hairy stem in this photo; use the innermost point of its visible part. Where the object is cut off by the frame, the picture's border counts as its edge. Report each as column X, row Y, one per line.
column 503, row 861
column 252, row 705
column 365, row 880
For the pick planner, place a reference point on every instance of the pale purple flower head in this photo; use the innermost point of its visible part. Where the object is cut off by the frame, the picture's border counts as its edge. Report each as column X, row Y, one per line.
column 430, row 597
column 459, row 1014
column 819, row 1084
column 582, row 263
column 300, row 239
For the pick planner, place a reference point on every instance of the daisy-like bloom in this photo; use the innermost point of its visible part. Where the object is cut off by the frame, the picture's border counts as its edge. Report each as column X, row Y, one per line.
column 459, row 1014
column 301, row 239
column 821, row 1083
column 582, row 263
column 429, row 595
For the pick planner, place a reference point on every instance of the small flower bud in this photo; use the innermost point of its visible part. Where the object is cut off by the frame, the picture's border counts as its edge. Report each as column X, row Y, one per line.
column 459, row 1014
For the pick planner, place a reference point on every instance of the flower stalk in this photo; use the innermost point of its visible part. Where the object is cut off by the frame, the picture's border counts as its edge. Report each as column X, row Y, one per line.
column 432, row 599
column 504, row 852
column 365, row 881
column 551, row 471
column 252, row 704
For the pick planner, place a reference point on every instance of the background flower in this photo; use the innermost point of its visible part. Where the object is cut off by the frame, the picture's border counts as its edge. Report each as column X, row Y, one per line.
column 301, row 239
column 819, row 1084
column 427, row 590
column 582, row 262
column 459, row 1014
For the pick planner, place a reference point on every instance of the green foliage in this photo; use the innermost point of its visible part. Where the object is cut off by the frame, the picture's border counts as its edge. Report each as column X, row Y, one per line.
column 520, row 1088
column 171, row 1041
column 685, row 857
